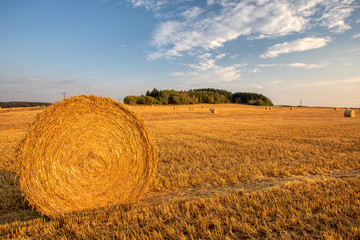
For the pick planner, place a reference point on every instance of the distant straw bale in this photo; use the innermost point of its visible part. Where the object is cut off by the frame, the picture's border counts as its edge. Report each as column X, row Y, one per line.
column 85, row 152
column 214, row 110
column 349, row 113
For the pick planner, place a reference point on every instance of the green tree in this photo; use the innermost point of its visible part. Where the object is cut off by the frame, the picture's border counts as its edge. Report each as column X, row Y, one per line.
column 131, row 100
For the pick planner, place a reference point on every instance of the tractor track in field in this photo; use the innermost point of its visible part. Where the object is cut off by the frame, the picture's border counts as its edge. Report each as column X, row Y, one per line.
column 193, row 193
column 25, row 213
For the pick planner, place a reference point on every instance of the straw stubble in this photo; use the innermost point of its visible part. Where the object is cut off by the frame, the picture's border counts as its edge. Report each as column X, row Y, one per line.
column 85, row 152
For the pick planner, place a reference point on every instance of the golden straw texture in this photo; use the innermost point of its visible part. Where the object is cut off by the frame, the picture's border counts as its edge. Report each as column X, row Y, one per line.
column 85, row 152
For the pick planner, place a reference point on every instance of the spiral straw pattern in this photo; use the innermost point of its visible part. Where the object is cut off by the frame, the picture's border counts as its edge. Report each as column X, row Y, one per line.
column 85, row 152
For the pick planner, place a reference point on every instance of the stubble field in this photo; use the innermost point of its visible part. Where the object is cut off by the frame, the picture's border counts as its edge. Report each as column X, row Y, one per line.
column 244, row 172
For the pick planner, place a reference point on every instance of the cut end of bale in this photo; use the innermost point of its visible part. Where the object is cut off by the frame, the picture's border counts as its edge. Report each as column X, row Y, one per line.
column 85, row 152
column 349, row 113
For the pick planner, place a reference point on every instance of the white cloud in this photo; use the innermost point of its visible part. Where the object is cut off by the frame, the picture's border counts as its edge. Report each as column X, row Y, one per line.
column 356, row 36
column 166, row 33
column 212, row 27
column 295, row 46
column 308, row 66
column 276, row 82
column 296, row 65
column 270, row 65
column 207, row 71
column 149, row 4
column 220, row 56
column 192, row 12
column 335, row 14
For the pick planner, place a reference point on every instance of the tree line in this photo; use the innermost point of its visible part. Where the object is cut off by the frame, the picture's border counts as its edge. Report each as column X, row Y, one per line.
column 22, row 104
column 204, row 95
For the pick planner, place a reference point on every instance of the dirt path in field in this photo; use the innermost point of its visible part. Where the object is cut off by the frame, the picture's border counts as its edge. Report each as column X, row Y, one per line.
column 259, row 185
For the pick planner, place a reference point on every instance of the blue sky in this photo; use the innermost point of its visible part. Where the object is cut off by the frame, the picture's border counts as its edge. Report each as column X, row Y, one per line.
column 290, row 50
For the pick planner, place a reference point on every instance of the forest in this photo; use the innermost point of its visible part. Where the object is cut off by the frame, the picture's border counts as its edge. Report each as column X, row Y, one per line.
column 22, row 104
column 204, row 95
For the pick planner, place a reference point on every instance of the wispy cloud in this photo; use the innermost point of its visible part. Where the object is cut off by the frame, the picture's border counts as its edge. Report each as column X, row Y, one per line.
column 149, row 4
column 192, row 12
column 335, row 13
column 323, row 83
column 207, row 71
column 308, row 66
column 296, row 65
column 356, row 36
column 210, row 28
column 276, row 82
column 295, row 46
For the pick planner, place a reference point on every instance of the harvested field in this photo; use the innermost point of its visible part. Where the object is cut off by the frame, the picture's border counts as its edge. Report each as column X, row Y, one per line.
column 241, row 173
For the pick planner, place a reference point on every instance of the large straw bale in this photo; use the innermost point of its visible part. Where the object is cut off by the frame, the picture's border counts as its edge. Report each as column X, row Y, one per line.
column 85, row 152
column 349, row 113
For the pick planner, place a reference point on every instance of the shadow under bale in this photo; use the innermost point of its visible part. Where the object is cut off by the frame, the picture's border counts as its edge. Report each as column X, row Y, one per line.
column 13, row 206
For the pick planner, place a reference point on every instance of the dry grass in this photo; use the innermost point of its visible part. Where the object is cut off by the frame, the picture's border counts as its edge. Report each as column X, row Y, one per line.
column 85, row 152
column 241, row 173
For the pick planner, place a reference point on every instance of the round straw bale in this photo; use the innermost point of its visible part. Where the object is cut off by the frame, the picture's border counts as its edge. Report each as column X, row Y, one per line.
column 214, row 110
column 85, row 152
column 349, row 113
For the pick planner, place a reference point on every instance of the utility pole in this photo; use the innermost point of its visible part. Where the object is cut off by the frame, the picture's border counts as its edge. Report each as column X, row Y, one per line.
column 64, row 93
column 300, row 102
